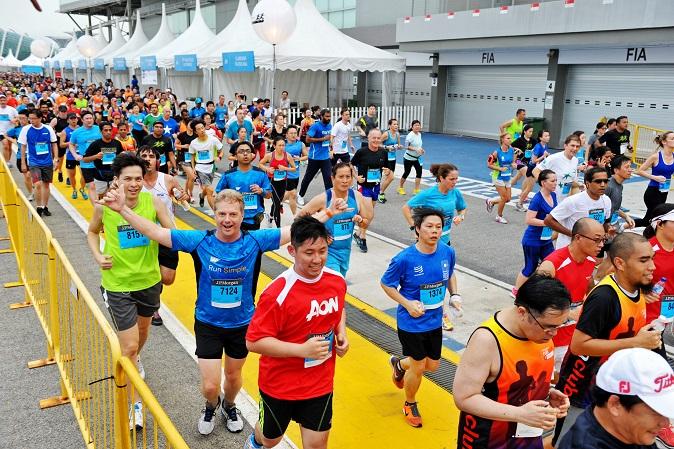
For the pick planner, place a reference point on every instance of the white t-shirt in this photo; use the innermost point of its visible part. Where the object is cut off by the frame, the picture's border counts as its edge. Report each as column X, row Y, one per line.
column 578, row 206
column 7, row 114
column 204, row 153
column 565, row 169
column 340, row 137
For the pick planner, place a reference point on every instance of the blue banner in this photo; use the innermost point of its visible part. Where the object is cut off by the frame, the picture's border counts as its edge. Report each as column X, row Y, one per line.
column 46, row 64
column 57, row 64
column 148, row 63
column 119, row 63
column 99, row 64
column 67, row 64
column 31, row 69
column 82, row 64
column 238, row 61
column 186, row 63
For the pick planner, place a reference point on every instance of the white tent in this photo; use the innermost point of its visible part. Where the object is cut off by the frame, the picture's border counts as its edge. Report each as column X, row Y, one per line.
column 10, row 60
column 135, row 42
column 32, row 60
column 160, row 40
column 66, row 53
column 115, row 44
column 194, row 37
column 100, row 38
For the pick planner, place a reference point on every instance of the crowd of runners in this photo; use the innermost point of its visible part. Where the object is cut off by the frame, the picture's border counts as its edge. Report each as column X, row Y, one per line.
column 578, row 360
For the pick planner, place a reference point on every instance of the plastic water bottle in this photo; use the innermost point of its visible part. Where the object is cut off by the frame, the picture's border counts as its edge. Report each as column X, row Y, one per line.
column 184, row 204
column 660, row 286
column 660, row 323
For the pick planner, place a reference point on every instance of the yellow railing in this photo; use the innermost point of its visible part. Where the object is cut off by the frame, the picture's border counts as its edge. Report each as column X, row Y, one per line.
column 94, row 377
column 642, row 141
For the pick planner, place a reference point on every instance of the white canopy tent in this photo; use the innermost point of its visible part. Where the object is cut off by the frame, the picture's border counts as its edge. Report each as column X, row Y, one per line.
column 32, row 63
column 115, row 44
column 137, row 41
column 10, row 60
column 66, row 53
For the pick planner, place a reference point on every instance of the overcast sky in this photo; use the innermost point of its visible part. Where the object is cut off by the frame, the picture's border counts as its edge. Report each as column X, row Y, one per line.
column 23, row 18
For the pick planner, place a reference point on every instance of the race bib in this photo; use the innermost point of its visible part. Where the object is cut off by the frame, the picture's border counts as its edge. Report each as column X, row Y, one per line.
column 108, row 157
column 41, row 148
column 130, row 238
column 566, row 188
column 4, row 117
column 373, row 175
column 391, row 155
column 344, row 146
column 664, row 186
column 342, row 229
column 279, row 175
column 597, row 214
column 505, row 175
column 527, row 154
column 330, row 338
column 326, row 143
column 204, row 156
column 524, row 431
column 432, row 295
column 188, row 157
column 249, row 201
column 221, row 117
column 162, row 159
column 448, row 225
column 614, row 217
column 623, row 147
column 226, row 293
column 546, row 233
column 667, row 306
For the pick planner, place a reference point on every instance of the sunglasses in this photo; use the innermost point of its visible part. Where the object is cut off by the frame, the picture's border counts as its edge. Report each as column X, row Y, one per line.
column 599, row 181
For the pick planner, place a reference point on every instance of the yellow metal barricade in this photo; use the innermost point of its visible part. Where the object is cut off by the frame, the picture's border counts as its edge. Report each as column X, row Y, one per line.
column 95, row 379
column 643, row 144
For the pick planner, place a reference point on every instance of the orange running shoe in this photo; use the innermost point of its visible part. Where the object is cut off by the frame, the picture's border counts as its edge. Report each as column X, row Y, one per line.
column 412, row 415
column 398, row 375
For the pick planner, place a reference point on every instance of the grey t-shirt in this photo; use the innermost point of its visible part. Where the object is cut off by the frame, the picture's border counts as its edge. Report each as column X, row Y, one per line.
column 614, row 190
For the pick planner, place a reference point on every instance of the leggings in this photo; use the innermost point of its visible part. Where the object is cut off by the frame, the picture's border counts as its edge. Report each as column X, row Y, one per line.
column 653, row 197
column 278, row 191
column 314, row 165
column 408, row 168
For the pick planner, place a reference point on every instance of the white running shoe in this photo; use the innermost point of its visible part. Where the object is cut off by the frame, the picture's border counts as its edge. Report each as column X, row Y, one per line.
column 233, row 418
column 501, row 220
column 300, row 200
column 136, row 416
column 206, row 421
column 31, row 197
column 141, row 368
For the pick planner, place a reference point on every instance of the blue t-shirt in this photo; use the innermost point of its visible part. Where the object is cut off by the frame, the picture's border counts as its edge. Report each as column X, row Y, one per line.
column 225, row 273
column 82, row 137
column 341, row 226
column 319, row 150
column 171, row 127
column 295, row 150
column 69, row 131
column 233, row 130
column 538, row 151
column 220, row 116
column 137, row 121
column 539, row 235
column 421, row 277
column 38, row 143
column 448, row 204
column 196, row 112
column 241, row 181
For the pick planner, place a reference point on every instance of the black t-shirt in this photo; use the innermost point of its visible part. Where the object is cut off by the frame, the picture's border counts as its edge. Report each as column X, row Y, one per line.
column 614, row 140
column 61, row 124
column 587, row 433
column 369, row 164
column 46, row 101
column 103, row 166
column 163, row 145
column 367, row 124
column 184, row 139
column 46, row 119
column 524, row 145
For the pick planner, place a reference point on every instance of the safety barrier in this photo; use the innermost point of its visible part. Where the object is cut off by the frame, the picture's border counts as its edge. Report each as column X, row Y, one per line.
column 95, row 379
column 642, row 141
column 404, row 115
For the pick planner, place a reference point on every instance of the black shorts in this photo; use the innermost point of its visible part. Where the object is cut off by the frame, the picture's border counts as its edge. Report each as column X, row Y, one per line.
column 126, row 307
column 168, row 258
column 391, row 165
column 18, row 164
column 71, row 164
column 212, row 340
column 530, row 171
column 88, row 174
column 291, row 184
column 313, row 414
column 61, row 151
column 420, row 345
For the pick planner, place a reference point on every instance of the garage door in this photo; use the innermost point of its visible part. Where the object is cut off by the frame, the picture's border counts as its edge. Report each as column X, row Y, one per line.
column 644, row 93
column 480, row 98
column 417, row 89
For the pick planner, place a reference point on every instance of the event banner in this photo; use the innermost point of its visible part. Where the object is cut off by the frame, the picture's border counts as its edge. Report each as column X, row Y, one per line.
column 148, row 63
column 186, row 63
column 68, row 64
column 119, row 63
column 56, row 64
column 82, row 64
column 99, row 64
column 238, row 61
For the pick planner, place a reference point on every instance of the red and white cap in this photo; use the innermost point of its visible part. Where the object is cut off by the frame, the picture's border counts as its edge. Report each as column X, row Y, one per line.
column 643, row 373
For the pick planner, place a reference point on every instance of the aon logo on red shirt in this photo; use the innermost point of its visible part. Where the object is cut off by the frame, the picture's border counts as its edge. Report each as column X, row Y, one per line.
column 324, row 307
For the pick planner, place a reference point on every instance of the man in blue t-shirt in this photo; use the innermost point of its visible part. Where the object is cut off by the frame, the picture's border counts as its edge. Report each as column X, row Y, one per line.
column 417, row 279
column 39, row 142
column 320, row 137
column 233, row 128
column 171, row 127
column 80, row 139
column 13, row 135
column 197, row 111
column 224, row 259
column 220, row 113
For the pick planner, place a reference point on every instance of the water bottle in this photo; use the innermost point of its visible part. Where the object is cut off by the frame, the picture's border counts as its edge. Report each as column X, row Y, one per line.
column 660, row 323
column 660, row 286
column 184, row 204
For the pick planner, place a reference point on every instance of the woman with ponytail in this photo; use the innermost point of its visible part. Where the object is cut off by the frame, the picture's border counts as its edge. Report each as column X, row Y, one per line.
column 661, row 165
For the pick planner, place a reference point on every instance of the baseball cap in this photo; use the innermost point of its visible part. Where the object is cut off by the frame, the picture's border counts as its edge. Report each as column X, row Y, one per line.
column 198, row 100
column 643, row 373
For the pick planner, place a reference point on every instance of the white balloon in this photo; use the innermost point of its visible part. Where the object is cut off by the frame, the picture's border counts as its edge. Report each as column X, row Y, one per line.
column 274, row 20
column 40, row 48
column 87, row 45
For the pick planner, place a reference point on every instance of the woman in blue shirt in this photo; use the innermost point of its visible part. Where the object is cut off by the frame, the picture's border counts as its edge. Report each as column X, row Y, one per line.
column 537, row 238
column 501, row 162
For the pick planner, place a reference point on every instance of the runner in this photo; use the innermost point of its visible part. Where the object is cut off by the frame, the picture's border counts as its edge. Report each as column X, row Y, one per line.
column 221, row 113
column 184, row 158
column 225, row 291
column 613, row 318
column 502, row 384
column 618, row 139
column 150, row 119
column 39, row 142
column 525, row 144
column 565, row 165
column 417, row 279
column 341, row 139
column 102, row 152
column 58, row 124
column 298, row 328
column 197, row 111
column 235, row 124
column 371, row 166
column 412, row 157
column 514, row 126
column 501, row 162
column 8, row 116
column 137, row 119
column 340, row 227
column 318, row 136
column 12, row 135
column 129, row 144
column 204, row 150
column 277, row 164
column 164, row 146
column 391, row 141
column 537, row 238
column 367, row 123
column 130, row 276
column 299, row 152
column 661, row 164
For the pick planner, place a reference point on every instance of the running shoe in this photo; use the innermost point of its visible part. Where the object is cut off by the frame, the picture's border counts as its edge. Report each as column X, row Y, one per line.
column 156, row 319
column 136, row 416
column 39, row 211
column 382, row 198
column 501, row 220
column 233, row 418
column 60, row 177
column 67, row 181
column 84, row 195
column 447, row 323
column 361, row 243
column 519, row 207
column 45, row 212
column 401, row 191
column 665, row 438
column 206, row 422
column 74, row 195
column 357, row 239
column 412, row 415
column 250, row 442
column 201, row 200
column 490, row 205
column 31, row 197
column 300, row 200
column 140, row 367
column 416, row 191
column 398, row 374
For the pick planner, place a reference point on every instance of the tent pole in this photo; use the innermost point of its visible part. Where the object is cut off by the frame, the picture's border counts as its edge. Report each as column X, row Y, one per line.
column 404, row 80
column 273, row 82
column 327, row 88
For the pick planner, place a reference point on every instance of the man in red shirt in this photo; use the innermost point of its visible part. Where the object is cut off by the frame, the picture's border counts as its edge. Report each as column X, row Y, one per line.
column 298, row 326
column 573, row 266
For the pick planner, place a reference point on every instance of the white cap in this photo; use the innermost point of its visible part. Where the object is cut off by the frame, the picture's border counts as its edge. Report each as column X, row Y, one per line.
column 643, row 373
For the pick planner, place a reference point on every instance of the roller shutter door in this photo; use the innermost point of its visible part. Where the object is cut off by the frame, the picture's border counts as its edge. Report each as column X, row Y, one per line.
column 644, row 93
column 418, row 91
column 480, row 98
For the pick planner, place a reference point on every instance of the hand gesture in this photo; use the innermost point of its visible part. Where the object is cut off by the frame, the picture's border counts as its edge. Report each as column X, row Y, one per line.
column 361, row 179
column 538, row 414
column 415, row 308
column 660, row 179
column 114, row 198
column 315, row 348
column 338, row 206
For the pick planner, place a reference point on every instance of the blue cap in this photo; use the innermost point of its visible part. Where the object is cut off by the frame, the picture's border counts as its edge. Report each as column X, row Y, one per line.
column 198, row 100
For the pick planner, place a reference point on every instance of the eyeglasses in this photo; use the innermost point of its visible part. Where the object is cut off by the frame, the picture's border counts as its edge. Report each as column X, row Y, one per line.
column 599, row 181
column 548, row 329
column 598, row 241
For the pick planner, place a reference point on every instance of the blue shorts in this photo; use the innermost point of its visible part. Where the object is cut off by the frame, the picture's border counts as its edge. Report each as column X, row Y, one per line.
column 338, row 264
column 369, row 192
column 533, row 255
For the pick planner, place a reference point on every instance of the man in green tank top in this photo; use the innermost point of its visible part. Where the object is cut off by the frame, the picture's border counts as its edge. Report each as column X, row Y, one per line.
column 130, row 276
column 514, row 126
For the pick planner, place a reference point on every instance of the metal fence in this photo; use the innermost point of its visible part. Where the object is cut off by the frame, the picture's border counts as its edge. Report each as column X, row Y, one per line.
column 404, row 115
column 643, row 144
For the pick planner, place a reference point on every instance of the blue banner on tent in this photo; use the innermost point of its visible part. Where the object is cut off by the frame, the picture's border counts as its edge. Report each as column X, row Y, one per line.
column 186, row 63
column 57, row 65
column 238, row 61
column 82, row 64
column 99, row 64
column 31, row 69
column 148, row 63
column 68, row 64
column 46, row 64
column 119, row 63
